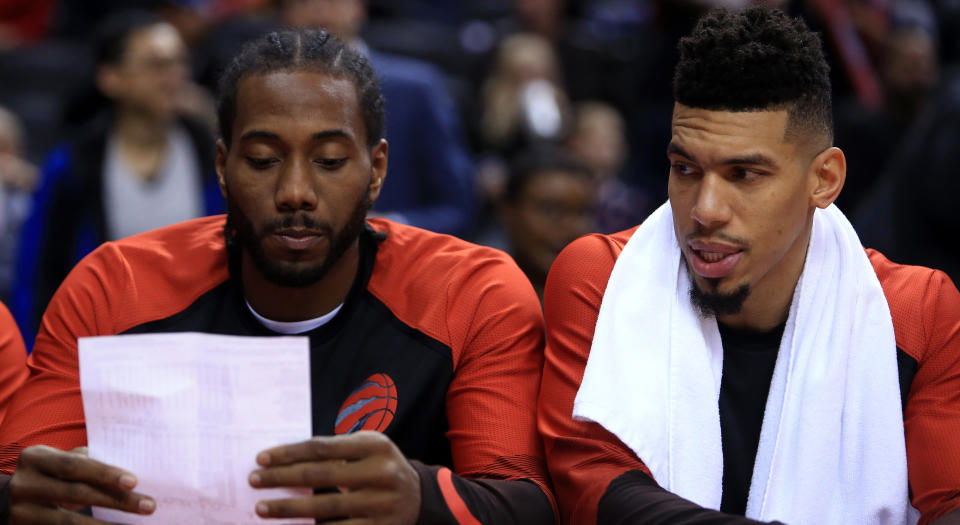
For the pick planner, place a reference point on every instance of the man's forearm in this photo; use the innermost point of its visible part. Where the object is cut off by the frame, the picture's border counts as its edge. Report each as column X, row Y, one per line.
column 634, row 497
column 447, row 498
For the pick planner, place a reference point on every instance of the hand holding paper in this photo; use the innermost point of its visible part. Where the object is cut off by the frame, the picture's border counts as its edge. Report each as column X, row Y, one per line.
column 47, row 478
column 374, row 479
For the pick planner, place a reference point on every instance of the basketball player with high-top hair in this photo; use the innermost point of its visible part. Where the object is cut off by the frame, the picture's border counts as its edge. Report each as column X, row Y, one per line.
column 425, row 350
column 739, row 357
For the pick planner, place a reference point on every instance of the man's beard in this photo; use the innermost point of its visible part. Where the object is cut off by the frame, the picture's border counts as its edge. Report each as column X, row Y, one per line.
column 713, row 303
column 240, row 235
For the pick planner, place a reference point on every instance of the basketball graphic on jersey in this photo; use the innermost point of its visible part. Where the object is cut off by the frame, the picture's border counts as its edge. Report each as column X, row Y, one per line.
column 371, row 406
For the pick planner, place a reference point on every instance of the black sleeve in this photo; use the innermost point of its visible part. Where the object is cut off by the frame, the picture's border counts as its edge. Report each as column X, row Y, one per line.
column 635, row 497
column 486, row 501
column 951, row 518
column 4, row 499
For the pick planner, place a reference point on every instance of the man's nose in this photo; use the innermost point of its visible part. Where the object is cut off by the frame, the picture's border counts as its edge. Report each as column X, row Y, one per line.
column 711, row 208
column 296, row 186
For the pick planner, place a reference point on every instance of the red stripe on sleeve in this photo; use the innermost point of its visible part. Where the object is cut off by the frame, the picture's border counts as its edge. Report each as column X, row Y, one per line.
column 454, row 502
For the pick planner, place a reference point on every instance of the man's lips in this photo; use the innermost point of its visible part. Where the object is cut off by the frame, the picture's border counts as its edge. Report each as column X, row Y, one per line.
column 713, row 260
column 297, row 239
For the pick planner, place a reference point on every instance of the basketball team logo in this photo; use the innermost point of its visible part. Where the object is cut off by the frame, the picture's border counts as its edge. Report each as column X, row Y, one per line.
column 371, row 406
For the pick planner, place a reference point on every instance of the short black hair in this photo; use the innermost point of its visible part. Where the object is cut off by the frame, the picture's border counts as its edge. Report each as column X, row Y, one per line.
column 756, row 59
column 302, row 50
column 112, row 36
column 528, row 165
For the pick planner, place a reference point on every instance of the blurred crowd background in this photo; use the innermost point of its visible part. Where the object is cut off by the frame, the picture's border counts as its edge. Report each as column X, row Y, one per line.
column 521, row 124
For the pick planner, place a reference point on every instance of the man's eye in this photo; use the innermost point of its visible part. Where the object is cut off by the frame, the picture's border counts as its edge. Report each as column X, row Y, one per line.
column 261, row 163
column 745, row 174
column 681, row 168
column 330, row 164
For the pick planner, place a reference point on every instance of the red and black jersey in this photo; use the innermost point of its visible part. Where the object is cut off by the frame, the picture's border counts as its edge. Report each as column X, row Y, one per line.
column 598, row 479
column 438, row 345
column 13, row 357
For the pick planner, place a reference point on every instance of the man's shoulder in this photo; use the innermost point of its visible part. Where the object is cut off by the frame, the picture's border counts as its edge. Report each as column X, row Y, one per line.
column 196, row 238
column 445, row 286
column 903, row 283
column 916, row 296
column 416, row 255
column 192, row 251
column 612, row 243
column 144, row 277
column 589, row 258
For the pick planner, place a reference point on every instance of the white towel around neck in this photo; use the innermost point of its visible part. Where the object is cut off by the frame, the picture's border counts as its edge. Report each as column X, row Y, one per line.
column 831, row 445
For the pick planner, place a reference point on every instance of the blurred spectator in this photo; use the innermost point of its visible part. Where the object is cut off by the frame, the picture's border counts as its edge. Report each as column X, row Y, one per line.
column 549, row 202
column 430, row 174
column 194, row 18
column 620, row 52
column 17, row 181
column 909, row 72
column 851, row 31
column 910, row 213
column 16, row 173
column 189, row 17
column 222, row 39
column 523, row 99
column 546, row 18
column 137, row 165
column 598, row 140
column 523, row 107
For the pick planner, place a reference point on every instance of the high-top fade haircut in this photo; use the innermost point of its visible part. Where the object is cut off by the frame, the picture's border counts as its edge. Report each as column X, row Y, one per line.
column 313, row 50
column 757, row 59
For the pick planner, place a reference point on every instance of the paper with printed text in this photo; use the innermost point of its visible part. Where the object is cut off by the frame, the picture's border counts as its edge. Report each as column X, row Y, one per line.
column 187, row 413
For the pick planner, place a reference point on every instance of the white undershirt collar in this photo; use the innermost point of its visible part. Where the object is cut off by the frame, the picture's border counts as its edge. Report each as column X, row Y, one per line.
column 294, row 327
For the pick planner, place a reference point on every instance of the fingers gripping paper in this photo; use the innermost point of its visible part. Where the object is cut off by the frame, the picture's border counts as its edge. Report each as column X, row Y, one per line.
column 187, row 414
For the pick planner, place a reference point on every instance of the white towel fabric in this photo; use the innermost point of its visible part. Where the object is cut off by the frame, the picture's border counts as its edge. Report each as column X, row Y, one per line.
column 831, row 446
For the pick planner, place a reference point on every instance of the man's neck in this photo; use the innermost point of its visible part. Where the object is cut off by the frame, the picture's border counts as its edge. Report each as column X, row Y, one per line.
column 768, row 304
column 761, row 312
column 285, row 303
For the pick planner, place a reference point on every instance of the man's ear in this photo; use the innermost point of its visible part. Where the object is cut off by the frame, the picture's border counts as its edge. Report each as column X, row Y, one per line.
column 828, row 172
column 221, row 164
column 378, row 168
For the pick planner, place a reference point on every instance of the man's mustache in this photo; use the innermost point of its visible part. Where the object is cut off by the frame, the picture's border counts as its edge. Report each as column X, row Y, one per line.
column 701, row 234
column 298, row 220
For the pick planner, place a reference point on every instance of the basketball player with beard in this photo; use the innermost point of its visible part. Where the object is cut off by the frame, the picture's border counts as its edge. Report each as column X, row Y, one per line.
column 441, row 340
column 739, row 357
